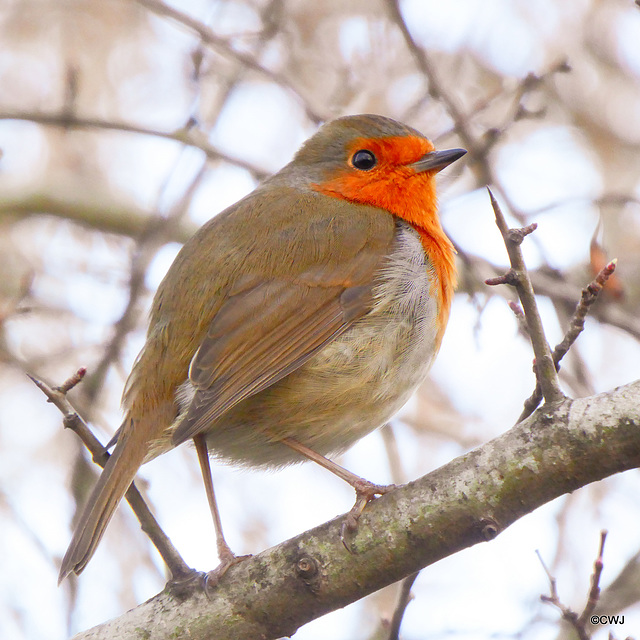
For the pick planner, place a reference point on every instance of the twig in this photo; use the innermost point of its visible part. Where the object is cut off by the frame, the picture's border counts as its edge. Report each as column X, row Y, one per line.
column 554, row 285
column 436, row 88
column 188, row 135
column 594, row 591
column 404, row 598
column 223, row 46
column 576, row 326
column 72, row 420
column 545, row 370
column 519, row 314
column 578, row 622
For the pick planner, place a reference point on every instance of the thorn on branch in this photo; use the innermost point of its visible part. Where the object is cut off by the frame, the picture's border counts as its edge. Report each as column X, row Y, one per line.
column 71, row 382
column 518, row 235
column 510, row 278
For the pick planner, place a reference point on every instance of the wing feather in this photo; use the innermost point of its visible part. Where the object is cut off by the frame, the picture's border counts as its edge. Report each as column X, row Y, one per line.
column 233, row 364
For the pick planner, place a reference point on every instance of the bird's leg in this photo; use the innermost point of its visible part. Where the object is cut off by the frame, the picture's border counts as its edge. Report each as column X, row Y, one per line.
column 227, row 557
column 365, row 490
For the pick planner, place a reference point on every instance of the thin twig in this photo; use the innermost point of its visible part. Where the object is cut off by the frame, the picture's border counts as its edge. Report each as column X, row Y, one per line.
column 554, row 285
column 519, row 314
column 404, row 598
column 188, row 135
column 576, row 326
column 578, row 622
column 594, row 591
column 224, row 47
column 180, row 571
column 588, row 297
column 567, row 613
column 545, row 370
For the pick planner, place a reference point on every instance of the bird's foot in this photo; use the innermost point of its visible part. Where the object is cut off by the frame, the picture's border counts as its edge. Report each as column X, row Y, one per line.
column 212, row 578
column 365, row 492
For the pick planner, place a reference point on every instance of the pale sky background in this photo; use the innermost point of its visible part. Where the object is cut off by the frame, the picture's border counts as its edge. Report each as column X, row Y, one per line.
column 489, row 591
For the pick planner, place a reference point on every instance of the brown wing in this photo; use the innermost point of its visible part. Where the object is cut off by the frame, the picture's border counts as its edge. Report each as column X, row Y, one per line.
column 288, row 291
column 261, row 335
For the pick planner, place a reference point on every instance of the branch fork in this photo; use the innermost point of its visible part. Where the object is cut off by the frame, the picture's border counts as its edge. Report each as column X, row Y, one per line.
column 546, row 364
column 518, row 276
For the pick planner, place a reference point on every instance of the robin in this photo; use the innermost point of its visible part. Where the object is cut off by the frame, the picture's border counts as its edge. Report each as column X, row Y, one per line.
column 294, row 322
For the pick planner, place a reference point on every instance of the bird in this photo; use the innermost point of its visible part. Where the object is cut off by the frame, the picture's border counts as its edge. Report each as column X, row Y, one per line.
column 294, row 322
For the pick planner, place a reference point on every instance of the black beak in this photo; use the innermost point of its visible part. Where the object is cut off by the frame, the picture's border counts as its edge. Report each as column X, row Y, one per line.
column 437, row 160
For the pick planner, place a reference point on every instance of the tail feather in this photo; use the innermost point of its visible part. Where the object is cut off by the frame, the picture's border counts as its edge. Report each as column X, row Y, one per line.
column 117, row 476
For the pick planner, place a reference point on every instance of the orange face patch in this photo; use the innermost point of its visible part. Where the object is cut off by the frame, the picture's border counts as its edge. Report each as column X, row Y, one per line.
column 396, row 187
column 391, row 184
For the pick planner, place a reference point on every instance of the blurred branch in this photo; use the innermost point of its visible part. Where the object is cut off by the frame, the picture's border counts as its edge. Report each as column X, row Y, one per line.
column 436, row 88
column 478, row 147
column 188, row 135
column 578, row 622
column 404, row 598
column 159, row 230
column 104, row 214
column 470, row 500
column 224, row 47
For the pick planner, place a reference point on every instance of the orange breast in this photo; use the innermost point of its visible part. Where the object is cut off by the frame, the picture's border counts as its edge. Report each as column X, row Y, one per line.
column 396, row 187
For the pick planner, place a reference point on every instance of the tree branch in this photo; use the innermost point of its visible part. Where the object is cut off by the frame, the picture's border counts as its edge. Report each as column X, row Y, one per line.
column 545, row 369
column 470, row 500
column 224, row 47
column 188, row 135
column 180, row 571
column 576, row 325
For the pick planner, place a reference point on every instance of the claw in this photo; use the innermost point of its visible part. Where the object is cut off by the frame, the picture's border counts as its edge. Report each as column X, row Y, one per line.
column 365, row 493
column 212, row 578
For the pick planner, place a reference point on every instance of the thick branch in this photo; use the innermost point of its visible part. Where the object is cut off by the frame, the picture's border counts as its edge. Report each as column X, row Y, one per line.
column 472, row 499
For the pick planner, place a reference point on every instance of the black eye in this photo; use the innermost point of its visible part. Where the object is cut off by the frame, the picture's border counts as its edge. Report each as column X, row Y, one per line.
column 364, row 160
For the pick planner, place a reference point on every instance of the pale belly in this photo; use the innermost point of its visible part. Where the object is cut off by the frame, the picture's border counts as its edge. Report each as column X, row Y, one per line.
column 354, row 384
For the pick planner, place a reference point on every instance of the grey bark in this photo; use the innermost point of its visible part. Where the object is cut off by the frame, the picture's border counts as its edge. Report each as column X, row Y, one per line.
column 469, row 500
